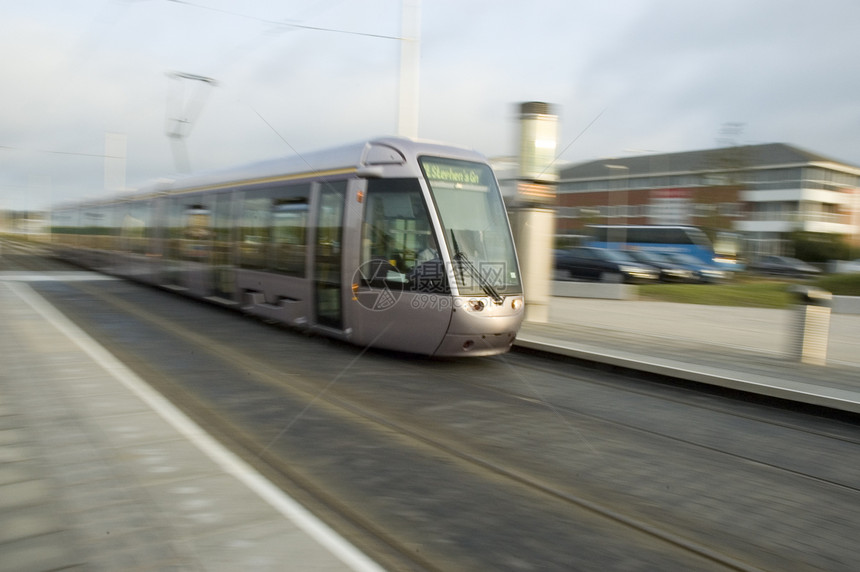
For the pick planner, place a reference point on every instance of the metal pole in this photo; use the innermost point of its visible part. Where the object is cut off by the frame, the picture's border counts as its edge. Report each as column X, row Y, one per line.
column 410, row 44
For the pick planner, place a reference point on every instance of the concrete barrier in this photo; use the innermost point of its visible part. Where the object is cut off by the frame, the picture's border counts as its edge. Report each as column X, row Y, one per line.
column 845, row 305
column 604, row 290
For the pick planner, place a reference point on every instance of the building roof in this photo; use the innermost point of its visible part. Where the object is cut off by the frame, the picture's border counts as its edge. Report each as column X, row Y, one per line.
column 725, row 158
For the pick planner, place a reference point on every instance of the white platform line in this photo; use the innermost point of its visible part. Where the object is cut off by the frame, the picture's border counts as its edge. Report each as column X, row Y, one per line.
column 228, row 461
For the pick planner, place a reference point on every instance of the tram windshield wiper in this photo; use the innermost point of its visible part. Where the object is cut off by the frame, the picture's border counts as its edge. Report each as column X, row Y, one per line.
column 463, row 260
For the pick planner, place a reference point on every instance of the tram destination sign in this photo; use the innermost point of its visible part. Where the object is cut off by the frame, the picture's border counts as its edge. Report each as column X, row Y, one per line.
column 453, row 173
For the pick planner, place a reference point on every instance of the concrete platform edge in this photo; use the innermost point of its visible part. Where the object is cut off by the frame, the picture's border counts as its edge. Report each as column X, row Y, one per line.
column 761, row 385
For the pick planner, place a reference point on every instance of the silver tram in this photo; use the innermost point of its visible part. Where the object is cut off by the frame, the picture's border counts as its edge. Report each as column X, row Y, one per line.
column 390, row 243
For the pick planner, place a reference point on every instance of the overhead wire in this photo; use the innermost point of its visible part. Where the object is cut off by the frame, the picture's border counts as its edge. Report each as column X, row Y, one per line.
column 285, row 23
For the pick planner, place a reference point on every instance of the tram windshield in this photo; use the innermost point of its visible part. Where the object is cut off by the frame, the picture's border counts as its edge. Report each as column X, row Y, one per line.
column 476, row 227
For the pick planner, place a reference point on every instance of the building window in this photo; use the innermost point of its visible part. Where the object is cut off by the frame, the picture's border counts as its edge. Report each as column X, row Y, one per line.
column 728, row 209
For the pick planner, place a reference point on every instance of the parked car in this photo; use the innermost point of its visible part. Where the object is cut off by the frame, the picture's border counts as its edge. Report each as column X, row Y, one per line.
column 589, row 263
column 783, row 266
column 849, row 266
column 702, row 271
column 669, row 271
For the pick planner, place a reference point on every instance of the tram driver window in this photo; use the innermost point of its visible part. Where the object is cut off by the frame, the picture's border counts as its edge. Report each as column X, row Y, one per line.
column 398, row 242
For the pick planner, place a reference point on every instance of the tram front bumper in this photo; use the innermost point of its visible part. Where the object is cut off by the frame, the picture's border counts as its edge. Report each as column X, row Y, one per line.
column 483, row 345
column 481, row 327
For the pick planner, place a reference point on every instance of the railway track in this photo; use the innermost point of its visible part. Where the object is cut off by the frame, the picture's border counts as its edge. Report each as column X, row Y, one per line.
column 500, row 463
column 839, row 429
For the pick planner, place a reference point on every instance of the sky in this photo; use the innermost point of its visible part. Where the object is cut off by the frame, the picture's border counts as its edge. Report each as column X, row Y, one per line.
column 83, row 79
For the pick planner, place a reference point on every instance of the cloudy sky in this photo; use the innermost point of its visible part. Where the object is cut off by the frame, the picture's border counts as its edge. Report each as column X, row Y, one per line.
column 628, row 77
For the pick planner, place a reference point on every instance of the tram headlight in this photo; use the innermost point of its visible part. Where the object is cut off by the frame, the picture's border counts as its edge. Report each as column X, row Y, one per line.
column 476, row 304
column 517, row 303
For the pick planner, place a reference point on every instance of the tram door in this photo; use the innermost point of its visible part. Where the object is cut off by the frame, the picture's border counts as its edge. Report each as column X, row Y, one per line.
column 328, row 255
column 401, row 292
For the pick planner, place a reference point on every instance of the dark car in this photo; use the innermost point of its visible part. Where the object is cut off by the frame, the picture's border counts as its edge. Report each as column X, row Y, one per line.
column 588, row 263
column 783, row 266
column 702, row 271
column 850, row 266
column 669, row 271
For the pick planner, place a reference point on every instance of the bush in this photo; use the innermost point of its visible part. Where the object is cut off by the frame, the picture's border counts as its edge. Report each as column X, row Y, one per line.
column 752, row 294
column 819, row 247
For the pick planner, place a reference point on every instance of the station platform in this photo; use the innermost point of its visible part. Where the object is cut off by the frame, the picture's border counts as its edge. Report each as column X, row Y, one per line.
column 99, row 472
column 747, row 349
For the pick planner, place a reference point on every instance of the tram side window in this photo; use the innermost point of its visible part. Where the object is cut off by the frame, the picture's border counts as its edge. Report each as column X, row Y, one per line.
column 64, row 226
column 133, row 226
column 87, row 227
column 175, row 228
column 110, row 231
column 77, row 227
column 222, row 229
column 398, row 243
column 289, row 229
column 197, row 232
column 148, row 244
column 96, row 228
column 273, row 229
column 254, row 229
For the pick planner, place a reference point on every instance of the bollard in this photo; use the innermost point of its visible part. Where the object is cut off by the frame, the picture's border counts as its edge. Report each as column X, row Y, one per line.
column 812, row 324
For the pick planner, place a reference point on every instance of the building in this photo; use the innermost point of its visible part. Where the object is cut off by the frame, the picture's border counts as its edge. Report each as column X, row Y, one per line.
column 761, row 192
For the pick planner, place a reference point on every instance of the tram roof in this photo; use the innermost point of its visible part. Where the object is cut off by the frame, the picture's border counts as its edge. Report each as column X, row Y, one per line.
column 343, row 159
column 332, row 161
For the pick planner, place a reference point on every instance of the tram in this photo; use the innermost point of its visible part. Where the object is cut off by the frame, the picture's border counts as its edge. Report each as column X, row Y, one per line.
column 390, row 243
